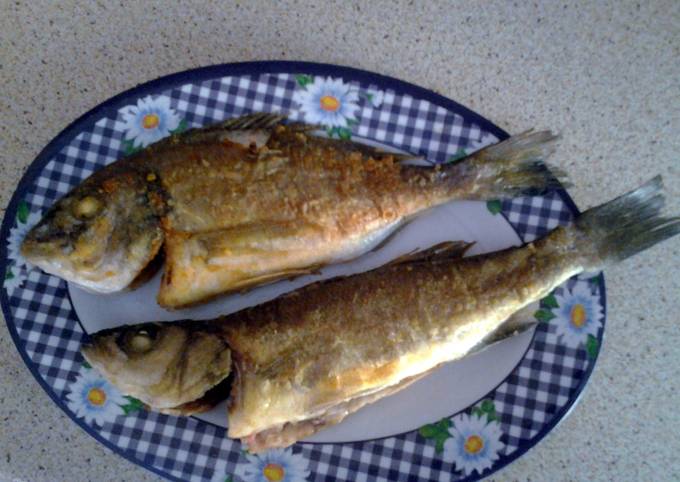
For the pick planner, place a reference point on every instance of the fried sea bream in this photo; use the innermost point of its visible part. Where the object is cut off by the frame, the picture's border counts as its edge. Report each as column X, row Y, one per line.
column 306, row 360
column 253, row 200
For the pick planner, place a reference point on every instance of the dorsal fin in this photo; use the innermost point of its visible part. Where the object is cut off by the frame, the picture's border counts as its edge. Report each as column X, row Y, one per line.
column 318, row 132
column 258, row 120
column 447, row 250
column 209, row 133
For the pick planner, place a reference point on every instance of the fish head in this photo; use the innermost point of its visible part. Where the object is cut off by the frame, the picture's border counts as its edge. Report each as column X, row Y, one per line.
column 102, row 234
column 164, row 365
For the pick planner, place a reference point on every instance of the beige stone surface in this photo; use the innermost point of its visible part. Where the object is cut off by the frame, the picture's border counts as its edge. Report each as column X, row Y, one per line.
column 604, row 74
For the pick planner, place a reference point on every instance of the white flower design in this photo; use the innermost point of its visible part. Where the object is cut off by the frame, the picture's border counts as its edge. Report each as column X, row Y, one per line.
column 328, row 102
column 579, row 314
column 14, row 278
column 149, row 121
column 16, row 237
column 376, row 97
column 474, row 443
column 276, row 465
column 95, row 399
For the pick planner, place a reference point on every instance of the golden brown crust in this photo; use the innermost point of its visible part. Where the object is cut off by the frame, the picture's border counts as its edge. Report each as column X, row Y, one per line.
column 289, row 433
column 302, row 353
column 240, row 217
column 305, row 360
column 206, row 187
column 294, row 177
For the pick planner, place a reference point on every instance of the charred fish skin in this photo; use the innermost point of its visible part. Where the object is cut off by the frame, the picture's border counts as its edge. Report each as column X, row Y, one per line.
column 307, row 359
column 252, row 200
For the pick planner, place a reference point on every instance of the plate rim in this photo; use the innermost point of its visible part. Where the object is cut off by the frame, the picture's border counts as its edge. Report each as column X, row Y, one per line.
column 110, row 107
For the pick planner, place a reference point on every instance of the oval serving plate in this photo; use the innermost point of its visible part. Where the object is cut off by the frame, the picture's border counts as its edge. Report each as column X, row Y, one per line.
column 507, row 397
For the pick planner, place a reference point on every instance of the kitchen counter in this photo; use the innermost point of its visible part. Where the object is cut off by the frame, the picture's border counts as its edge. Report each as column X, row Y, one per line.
column 603, row 74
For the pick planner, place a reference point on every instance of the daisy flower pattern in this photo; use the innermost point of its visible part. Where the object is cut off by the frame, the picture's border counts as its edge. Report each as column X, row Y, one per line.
column 14, row 278
column 329, row 102
column 474, row 443
column 93, row 398
column 17, row 266
column 17, row 235
column 578, row 315
column 276, row 465
column 149, row 121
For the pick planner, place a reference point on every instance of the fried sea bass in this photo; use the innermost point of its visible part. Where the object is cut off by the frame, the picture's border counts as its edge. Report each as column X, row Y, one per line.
column 307, row 359
column 254, row 200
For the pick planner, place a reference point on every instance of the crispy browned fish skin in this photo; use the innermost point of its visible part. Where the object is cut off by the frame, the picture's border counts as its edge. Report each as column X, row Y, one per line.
column 307, row 359
column 305, row 202
column 299, row 357
column 251, row 201
column 302, row 358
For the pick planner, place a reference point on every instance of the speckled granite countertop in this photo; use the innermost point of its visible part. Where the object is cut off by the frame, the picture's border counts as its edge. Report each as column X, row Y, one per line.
column 604, row 74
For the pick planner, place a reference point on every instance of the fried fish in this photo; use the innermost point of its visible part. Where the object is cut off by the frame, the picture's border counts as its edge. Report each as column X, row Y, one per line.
column 307, row 359
column 253, row 200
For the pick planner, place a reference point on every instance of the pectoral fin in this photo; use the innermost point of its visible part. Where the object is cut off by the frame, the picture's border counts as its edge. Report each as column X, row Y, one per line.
column 203, row 265
column 519, row 322
column 443, row 251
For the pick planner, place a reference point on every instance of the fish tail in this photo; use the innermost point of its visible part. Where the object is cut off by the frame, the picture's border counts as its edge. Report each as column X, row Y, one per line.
column 626, row 225
column 516, row 166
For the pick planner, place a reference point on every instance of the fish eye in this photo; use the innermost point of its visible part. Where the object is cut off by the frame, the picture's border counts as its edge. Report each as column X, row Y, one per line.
column 139, row 340
column 87, row 207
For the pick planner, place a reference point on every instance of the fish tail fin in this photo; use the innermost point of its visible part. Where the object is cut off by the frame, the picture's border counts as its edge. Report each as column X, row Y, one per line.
column 516, row 166
column 627, row 225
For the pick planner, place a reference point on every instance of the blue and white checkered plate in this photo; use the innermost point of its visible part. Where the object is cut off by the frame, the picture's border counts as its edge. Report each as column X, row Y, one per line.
column 464, row 422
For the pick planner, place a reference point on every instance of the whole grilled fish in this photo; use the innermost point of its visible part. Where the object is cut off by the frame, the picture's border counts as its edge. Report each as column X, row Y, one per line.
column 307, row 359
column 253, row 200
